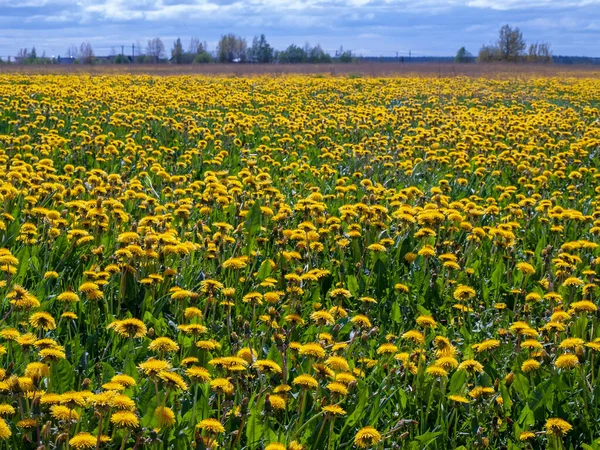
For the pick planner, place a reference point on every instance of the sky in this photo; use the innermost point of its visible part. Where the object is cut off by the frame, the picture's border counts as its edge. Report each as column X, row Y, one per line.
column 366, row 27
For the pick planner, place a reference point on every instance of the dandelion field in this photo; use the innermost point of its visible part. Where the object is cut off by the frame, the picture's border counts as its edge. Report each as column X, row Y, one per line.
column 299, row 262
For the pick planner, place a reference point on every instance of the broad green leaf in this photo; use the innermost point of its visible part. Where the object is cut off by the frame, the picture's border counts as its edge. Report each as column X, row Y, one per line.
column 422, row 441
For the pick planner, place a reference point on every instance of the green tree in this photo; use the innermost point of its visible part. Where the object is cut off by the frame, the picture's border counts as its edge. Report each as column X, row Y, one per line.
column 463, row 56
column 231, row 48
column 511, row 44
column 346, row 57
column 260, row 52
column 177, row 52
column 203, row 58
column 317, row 55
column 292, row 55
column 488, row 53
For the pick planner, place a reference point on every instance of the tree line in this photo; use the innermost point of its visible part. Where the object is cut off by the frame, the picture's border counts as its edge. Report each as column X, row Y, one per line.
column 230, row 49
column 510, row 47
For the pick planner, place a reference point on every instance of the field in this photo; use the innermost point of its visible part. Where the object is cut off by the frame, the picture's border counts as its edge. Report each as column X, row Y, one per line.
column 301, row 261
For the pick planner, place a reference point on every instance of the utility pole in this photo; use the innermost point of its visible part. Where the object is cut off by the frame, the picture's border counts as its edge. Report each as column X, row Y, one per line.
column 132, row 52
column 123, row 50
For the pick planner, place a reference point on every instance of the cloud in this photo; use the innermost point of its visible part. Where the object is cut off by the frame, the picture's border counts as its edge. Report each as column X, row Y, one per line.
column 371, row 27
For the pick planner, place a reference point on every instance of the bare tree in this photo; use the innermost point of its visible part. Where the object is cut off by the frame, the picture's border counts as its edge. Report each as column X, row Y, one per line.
column 195, row 46
column 73, row 51
column 86, row 54
column 155, row 49
column 22, row 55
column 540, row 53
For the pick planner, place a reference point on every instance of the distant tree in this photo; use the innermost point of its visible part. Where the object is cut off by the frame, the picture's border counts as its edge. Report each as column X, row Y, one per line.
column 511, row 44
column 231, row 48
column 316, row 55
column 177, row 52
column 292, row 55
column 33, row 54
column 22, row 55
column 260, row 52
column 540, row 53
column 203, row 58
column 195, row 46
column 86, row 54
column 73, row 52
column 488, row 53
column 155, row 50
column 463, row 56
column 345, row 56
column 121, row 59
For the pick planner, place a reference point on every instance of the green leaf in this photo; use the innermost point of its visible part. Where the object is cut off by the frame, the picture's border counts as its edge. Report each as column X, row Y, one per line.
column 521, row 385
column 396, row 315
column 265, row 270
column 363, row 396
column 507, row 402
column 498, row 275
column 252, row 225
column 62, row 376
column 23, row 257
column 542, row 396
column 352, row 284
column 252, row 222
column 421, row 442
column 254, row 427
column 457, row 381
column 403, row 398
column 423, row 311
column 526, row 419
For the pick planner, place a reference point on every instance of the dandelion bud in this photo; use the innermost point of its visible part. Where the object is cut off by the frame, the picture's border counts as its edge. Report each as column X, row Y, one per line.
column 234, row 337
column 85, row 383
column 150, row 332
column 47, row 429
column 580, row 354
column 63, row 437
column 244, row 407
column 509, row 379
column 268, row 403
column 279, row 339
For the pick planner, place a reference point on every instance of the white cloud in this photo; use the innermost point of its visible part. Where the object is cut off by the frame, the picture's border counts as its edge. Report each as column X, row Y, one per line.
column 374, row 26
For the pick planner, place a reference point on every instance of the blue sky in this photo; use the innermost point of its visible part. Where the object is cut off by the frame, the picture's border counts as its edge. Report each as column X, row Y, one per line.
column 367, row 27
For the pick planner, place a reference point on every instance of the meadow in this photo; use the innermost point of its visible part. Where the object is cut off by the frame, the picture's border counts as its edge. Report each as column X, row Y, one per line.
column 299, row 262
